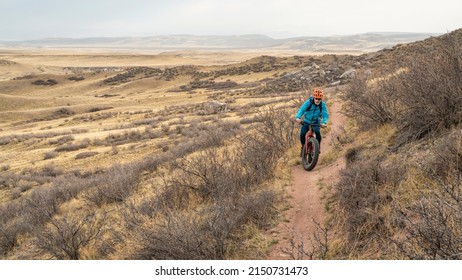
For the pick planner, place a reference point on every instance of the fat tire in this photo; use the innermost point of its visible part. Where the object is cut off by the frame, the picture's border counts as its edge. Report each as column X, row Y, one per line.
column 310, row 161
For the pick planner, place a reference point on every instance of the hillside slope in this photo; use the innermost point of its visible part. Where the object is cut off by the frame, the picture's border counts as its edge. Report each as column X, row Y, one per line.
column 136, row 155
column 400, row 194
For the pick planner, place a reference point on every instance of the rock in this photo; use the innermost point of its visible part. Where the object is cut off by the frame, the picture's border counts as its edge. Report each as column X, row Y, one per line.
column 336, row 83
column 348, row 74
column 214, row 107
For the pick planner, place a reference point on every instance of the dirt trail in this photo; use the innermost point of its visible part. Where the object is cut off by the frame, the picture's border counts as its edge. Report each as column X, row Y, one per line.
column 305, row 196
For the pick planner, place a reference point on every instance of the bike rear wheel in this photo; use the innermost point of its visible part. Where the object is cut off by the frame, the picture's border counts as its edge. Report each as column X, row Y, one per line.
column 310, row 154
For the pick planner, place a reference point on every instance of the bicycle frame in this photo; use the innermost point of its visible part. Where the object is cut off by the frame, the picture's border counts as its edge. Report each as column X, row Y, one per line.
column 310, row 153
column 309, row 134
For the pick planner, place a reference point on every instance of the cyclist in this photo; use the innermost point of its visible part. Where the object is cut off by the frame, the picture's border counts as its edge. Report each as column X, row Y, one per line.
column 313, row 111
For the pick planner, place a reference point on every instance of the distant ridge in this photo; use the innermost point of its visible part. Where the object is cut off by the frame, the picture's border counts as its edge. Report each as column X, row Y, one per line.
column 366, row 42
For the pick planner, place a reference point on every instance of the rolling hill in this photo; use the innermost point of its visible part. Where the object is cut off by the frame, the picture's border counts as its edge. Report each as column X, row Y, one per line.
column 364, row 42
column 136, row 154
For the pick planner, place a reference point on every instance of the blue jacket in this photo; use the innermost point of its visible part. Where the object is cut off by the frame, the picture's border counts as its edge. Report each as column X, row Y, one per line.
column 314, row 115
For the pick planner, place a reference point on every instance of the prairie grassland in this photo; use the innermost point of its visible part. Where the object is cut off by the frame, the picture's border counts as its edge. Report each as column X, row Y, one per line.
column 92, row 97
column 101, row 152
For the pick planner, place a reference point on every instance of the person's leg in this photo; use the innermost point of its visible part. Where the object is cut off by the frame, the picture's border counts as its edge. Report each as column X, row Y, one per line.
column 317, row 130
column 303, row 131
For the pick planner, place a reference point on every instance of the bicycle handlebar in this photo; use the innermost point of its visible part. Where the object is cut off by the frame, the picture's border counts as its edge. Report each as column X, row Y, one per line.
column 313, row 124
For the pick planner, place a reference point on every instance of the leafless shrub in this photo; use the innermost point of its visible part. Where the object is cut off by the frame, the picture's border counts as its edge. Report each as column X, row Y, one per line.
column 372, row 103
column 12, row 223
column 222, row 222
column 423, row 97
column 260, row 152
column 258, row 163
column 34, row 208
column 8, row 179
column 16, row 138
column 215, row 134
column 152, row 122
column 61, row 140
column 205, row 233
column 260, row 207
column 249, row 120
column 446, row 159
column 114, row 185
column 173, row 196
column 70, row 147
column 48, row 82
column 432, row 222
column 21, row 187
column 50, row 170
column 165, row 128
column 8, row 238
column 80, row 78
column 50, row 155
column 178, row 236
column 35, row 177
column 66, row 236
column 114, row 150
column 211, row 135
column 131, row 136
column 361, row 193
column 102, row 108
column 431, row 92
column 278, row 128
column 5, row 140
column 213, row 175
column 43, row 203
column 62, row 112
column 85, row 155
column 210, row 175
column 52, row 187
column 318, row 248
column 353, row 154
column 219, row 189
column 320, row 242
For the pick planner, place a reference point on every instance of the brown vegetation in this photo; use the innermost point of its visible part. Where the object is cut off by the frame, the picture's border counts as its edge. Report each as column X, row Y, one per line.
column 162, row 175
column 400, row 196
column 147, row 173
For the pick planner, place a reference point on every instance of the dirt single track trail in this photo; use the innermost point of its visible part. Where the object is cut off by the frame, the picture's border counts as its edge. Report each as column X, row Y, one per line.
column 305, row 196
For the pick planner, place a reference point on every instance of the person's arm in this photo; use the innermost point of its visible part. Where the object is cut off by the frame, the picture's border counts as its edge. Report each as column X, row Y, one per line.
column 302, row 110
column 325, row 114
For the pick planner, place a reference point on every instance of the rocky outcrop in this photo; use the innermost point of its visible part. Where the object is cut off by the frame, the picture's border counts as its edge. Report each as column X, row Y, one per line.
column 214, row 107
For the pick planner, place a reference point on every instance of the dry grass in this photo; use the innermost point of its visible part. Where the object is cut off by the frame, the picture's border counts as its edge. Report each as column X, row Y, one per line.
column 400, row 197
column 89, row 133
column 113, row 155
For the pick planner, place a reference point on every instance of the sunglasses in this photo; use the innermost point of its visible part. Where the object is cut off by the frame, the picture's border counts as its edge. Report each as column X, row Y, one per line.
column 317, row 99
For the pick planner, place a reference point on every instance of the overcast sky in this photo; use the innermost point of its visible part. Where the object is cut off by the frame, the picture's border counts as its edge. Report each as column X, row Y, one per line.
column 36, row 19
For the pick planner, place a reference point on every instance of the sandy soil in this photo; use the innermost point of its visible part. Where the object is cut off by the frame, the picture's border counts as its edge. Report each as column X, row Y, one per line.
column 305, row 198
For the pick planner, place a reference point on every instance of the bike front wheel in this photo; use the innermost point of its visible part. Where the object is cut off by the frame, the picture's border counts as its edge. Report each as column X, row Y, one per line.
column 310, row 154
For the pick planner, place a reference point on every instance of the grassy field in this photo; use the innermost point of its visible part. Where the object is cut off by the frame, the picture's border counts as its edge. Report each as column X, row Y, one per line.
column 108, row 155
column 101, row 150
column 49, row 98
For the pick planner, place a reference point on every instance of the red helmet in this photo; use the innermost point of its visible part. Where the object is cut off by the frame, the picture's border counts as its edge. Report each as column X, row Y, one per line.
column 318, row 93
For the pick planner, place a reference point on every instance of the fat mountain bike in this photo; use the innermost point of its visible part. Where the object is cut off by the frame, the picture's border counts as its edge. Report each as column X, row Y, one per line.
column 310, row 151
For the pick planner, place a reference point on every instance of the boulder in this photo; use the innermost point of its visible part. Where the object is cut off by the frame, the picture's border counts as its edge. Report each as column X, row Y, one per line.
column 348, row 74
column 214, row 107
